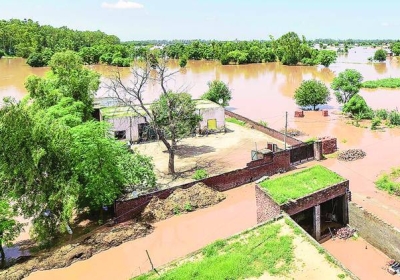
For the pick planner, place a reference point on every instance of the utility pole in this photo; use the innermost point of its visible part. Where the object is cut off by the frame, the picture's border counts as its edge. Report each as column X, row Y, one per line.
column 285, row 129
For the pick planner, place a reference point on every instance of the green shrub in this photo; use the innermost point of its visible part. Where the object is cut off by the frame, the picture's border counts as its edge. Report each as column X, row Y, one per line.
column 188, row 207
column 2, row 53
column 394, row 117
column 358, row 107
column 235, row 121
column 200, row 174
column 388, row 182
column 177, row 210
column 375, row 123
column 183, row 61
column 382, row 114
column 36, row 60
column 263, row 123
column 383, row 83
column 310, row 140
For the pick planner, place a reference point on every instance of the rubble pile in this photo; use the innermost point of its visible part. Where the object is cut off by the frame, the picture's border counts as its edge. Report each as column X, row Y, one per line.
column 345, row 232
column 181, row 201
column 352, row 154
column 393, row 267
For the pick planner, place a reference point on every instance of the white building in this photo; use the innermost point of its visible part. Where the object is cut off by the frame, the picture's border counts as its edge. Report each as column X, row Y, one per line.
column 133, row 126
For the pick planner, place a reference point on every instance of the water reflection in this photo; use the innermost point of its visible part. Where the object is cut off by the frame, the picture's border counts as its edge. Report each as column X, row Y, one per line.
column 259, row 90
column 380, row 68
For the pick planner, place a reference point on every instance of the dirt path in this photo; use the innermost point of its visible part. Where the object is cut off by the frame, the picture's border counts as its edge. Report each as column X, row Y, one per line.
column 171, row 239
column 365, row 261
column 217, row 153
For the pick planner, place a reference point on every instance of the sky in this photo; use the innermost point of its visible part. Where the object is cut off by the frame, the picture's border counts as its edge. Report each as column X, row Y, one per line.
column 219, row 20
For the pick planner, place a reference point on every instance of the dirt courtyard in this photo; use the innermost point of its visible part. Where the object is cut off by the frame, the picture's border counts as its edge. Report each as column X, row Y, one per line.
column 216, row 153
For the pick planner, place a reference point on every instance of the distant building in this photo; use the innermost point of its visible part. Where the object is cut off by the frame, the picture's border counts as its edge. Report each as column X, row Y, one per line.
column 133, row 125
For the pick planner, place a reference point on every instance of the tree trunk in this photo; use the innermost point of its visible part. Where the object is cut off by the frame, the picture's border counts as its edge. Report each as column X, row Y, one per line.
column 2, row 255
column 171, row 152
column 171, row 161
column 314, row 107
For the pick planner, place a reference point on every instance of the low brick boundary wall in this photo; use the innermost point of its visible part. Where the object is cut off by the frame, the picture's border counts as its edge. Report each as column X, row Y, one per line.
column 380, row 234
column 127, row 209
column 294, row 207
column 329, row 145
column 267, row 208
column 269, row 131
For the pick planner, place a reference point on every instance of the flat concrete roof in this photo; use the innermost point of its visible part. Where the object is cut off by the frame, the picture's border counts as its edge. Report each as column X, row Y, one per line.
column 127, row 111
column 300, row 184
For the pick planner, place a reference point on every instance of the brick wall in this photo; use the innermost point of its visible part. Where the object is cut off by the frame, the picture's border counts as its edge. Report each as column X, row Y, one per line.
column 125, row 210
column 329, row 145
column 269, row 131
column 267, row 208
column 294, row 207
column 377, row 232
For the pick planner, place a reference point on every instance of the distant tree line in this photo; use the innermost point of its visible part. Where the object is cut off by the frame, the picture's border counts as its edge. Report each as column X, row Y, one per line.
column 28, row 39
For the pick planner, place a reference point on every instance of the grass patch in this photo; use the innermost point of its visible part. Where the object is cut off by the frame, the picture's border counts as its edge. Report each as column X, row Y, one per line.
column 236, row 121
column 300, row 184
column 200, row 174
column 382, row 83
column 311, row 140
column 248, row 255
column 389, row 182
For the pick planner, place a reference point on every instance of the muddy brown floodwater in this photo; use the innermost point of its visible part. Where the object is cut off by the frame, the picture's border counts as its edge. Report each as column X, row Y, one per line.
column 171, row 239
column 260, row 92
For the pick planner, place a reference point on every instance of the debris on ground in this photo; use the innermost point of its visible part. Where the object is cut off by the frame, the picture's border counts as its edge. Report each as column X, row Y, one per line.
column 350, row 155
column 293, row 132
column 345, row 232
column 393, row 267
column 70, row 253
column 181, row 201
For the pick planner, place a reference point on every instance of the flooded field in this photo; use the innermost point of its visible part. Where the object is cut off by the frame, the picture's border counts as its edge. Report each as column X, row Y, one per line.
column 260, row 92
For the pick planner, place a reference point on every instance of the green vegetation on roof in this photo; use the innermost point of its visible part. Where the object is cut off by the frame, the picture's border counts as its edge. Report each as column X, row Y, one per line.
column 251, row 254
column 300, row 184
column 126, row 111
column 119, row 112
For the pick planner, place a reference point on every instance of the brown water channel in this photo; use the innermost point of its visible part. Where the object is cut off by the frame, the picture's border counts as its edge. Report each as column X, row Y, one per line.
column 265, row 92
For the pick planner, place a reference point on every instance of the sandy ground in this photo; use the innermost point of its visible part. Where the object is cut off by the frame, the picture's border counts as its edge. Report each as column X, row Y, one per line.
column 217, row 153
column 365, row 261
column 171, row 239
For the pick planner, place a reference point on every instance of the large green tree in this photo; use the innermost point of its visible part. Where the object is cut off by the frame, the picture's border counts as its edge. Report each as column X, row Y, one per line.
column 380, row 55
column 175, row 116
column 218, row 92
column 172, row 116
column 56, row 160
column 395, row 47
column 311, row 93
column 346, row 85
column 9, row 227
column 326, row 57
column 67, row 78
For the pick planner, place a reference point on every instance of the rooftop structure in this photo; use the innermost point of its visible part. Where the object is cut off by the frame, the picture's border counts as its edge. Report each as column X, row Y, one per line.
column 300, row 184
column 316, row 198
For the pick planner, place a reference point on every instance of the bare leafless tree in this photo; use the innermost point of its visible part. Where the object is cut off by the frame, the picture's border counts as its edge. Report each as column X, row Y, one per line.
column 132, row 93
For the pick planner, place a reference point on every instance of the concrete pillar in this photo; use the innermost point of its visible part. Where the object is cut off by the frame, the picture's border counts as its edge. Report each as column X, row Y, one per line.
column 345, row 206
column 317, row 222
column 318, row 150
